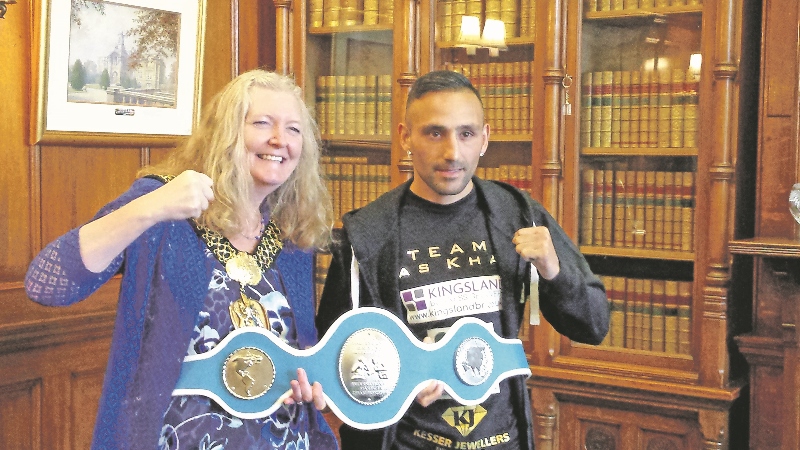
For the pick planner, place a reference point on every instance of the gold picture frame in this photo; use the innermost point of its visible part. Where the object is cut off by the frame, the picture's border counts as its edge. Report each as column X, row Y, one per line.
column 123, row 72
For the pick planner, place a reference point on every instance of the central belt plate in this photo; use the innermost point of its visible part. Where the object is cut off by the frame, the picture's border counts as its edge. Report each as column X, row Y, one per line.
column 370, row 366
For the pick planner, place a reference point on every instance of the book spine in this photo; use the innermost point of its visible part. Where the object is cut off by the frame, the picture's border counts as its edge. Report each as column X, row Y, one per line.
column 586, row 110
column 509, row 16
column 599, row 199
column 372, row 182
column 361, row 105
column 677, row 113
column 350, row 105
column 635, row 100
column 638, row 310
column 644, row 108
column 619, row 208
column 525, row 12
column 492, row 9
column 617, row 312
column 384, row 105
column 657, row 321
column 371, row 105
column 630, row 313
column 606, row 109
column 352, row 12
column 316, row 10
column 597, row 108
column 330, row 16
column 649, row 209
column 587, row 207
column 647, row 313
column 669, row 210
column 459, row 10
column 385, row 11
column 515, row 87
column 658, row 219
column 664, row 107
column 616, row 108
column 690, row 105
column 339, row 104
column 671, row 316
column 625, row 109
column 630, row 208
column 684, row 317
column 652, row 139
column 687, row 212
column 445, row 9
column 639, row 210
column 492, row 91
column 370, row 12
column 608, row 208
column 321, row 102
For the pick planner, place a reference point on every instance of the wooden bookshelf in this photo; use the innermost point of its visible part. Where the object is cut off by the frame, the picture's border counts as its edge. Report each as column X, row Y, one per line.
column 636, row 396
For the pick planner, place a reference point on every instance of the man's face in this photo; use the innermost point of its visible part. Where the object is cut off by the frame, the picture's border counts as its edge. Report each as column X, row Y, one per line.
column 446, row 135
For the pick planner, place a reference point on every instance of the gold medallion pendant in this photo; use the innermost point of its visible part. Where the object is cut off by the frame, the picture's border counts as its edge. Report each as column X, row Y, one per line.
column 246, row 312
column 243, row 268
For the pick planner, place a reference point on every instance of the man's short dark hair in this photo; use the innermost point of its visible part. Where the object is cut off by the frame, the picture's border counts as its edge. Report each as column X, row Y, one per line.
column 438, row 81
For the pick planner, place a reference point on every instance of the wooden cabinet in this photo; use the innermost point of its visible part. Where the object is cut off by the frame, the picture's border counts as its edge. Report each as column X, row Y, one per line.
column 772, row 348
column 642, row 172
column 646, row 98
column 768, row 256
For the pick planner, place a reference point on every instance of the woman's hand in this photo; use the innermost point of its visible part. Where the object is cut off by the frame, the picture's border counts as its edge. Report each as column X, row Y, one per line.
column 186, row 196
column 303, row 392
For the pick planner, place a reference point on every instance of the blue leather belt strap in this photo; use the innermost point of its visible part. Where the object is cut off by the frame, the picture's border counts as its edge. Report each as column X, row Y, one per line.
column 370, row 366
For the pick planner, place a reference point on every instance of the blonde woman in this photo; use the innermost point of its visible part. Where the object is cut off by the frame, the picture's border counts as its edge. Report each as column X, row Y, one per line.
column 206, row 242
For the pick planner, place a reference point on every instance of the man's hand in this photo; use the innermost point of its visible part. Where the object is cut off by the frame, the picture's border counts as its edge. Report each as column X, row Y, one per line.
column 434, row 390
column 535, row 245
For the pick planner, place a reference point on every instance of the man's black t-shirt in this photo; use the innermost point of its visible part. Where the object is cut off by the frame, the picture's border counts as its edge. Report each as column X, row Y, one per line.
column 448, row 271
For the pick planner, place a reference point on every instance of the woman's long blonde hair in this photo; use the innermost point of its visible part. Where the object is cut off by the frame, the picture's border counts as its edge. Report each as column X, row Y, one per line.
column 301, row 206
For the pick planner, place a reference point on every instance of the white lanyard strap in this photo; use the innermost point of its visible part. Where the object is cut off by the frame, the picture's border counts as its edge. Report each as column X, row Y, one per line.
column 533, row 298
column 354, row 292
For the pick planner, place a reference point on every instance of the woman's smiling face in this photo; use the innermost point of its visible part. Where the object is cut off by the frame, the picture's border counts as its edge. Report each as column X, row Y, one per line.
column 273, row 138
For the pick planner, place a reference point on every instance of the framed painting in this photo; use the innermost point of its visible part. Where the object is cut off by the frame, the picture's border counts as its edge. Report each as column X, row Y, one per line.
column 122, row 71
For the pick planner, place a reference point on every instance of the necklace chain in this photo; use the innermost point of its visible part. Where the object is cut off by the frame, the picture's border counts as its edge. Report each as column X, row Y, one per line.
column 266, row 251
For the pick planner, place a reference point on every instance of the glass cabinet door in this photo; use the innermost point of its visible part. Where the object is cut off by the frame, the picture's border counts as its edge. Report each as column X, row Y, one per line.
column 637, row 141
column 500, row 68
column 348, row 79
column 349, row 64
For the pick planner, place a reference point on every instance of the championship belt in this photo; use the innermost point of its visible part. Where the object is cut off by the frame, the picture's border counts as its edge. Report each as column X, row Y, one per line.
column 369, row 364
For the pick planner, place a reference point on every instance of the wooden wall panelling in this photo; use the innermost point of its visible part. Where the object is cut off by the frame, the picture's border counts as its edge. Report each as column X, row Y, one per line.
column 52, row 360
column 15, row 182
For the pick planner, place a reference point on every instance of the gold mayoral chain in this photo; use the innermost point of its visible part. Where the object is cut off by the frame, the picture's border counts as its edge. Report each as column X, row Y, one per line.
column 245, row 269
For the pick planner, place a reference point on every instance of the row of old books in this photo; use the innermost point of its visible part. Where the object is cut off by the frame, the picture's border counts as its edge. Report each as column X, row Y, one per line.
column 346, row 13
column 516, row 175
column 648, row 314
column 505, row 89
column 640, row 108
column 354, row 105
column 518, row 16
column 627, row 5
column 353, row 182
column 637, row 209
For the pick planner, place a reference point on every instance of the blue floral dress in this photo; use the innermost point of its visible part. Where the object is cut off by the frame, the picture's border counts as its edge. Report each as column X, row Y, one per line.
column 198, row 423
